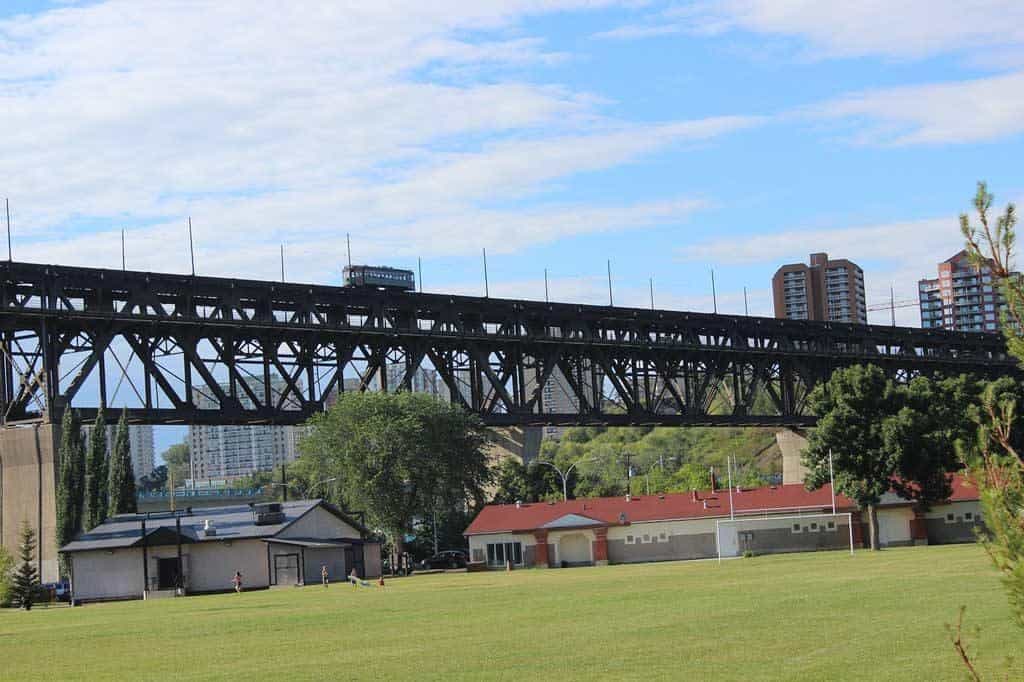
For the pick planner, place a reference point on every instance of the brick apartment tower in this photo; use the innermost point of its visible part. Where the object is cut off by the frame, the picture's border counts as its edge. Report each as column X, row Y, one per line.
column 963, row 297
column 831, row 290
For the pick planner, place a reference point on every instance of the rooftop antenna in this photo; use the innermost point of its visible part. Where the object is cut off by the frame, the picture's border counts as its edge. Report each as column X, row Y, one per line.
column 546, row 298
column 10, row 253
column 191, row 247
column 610, row 301
column 348, row 248
column 419, row 269
column 746, row 308
column 651, row 282
column 282, row 262
column 714, row 295
column 124, row 261
column 487, row 288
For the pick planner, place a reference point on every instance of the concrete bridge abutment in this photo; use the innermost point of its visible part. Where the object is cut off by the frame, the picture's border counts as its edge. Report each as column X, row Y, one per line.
column 28, row 491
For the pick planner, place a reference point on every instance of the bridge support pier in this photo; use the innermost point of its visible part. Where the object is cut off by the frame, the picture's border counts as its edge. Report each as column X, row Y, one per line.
column 792, row 444
column 28, row 491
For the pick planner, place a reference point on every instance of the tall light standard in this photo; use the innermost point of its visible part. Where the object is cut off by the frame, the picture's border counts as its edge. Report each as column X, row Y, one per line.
column 564, row 474
column 311, row 488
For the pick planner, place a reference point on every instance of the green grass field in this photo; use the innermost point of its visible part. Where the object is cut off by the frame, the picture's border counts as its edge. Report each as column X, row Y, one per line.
column 819, row 616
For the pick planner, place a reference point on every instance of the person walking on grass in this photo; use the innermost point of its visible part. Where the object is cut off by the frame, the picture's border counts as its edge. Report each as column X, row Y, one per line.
column 323, row 574
column 237, row 581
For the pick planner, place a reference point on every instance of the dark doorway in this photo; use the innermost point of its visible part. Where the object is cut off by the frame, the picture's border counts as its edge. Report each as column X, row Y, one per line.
column 166, row 574
column 286, row 569
column 354, row 559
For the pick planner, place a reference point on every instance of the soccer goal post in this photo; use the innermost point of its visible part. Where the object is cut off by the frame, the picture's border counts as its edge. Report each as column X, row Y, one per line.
column 796, row 532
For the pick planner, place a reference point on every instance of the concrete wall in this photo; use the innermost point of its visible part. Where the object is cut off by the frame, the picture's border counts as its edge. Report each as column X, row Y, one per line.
column 800, row 534
column 319, row 523
column 662, row 541
column 28, row 484
column 966, row 520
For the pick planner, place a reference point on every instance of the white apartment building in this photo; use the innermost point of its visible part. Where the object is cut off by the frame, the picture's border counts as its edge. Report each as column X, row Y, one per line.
column 230, row 451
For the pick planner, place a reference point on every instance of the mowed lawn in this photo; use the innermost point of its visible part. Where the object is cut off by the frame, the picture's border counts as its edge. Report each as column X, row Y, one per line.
column 822, row 616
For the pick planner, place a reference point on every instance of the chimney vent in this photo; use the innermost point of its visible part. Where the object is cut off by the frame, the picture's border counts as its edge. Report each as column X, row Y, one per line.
column 629, row 498
column 693, row 494
column 519, row 504
column 209, row 530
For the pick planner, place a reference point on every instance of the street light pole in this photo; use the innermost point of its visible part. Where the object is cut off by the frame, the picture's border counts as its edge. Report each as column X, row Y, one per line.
column 564, row 474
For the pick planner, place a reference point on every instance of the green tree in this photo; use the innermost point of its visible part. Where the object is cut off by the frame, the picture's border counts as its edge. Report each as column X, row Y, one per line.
column 26, row 578
column 921, row 436
column 121, row 478
column 6, row 577
column 155, row 480
column 96, row 495
column 178, row 463
column 996, row 458
column 852, row 408
column 399, row 456
column 69, row 483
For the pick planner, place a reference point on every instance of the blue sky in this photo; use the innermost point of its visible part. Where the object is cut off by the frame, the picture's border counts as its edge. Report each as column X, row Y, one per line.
column 669, row 137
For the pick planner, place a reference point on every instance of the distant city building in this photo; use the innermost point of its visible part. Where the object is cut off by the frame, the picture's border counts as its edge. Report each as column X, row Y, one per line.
column 829, row 290
column 140, row 441
column 963, row 297
column 230, row 451
column 557, row 397
column 424, row 380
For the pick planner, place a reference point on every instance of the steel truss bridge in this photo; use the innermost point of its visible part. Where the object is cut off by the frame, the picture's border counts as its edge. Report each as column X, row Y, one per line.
column 179, row 349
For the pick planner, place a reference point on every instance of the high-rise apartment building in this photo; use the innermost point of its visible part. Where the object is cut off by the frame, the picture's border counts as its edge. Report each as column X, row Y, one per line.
column 830, row 290
column 140, row 442
column 962, row 297
column 230, row 451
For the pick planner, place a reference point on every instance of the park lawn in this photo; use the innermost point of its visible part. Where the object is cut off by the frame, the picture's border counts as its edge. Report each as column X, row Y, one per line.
column 795, row 617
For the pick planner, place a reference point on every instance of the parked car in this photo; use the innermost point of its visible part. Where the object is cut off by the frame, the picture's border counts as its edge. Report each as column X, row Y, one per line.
column 451, row 558
column 60, row 591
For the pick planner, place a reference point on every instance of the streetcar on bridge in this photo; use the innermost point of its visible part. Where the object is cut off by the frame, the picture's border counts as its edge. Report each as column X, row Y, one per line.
column 378, row 277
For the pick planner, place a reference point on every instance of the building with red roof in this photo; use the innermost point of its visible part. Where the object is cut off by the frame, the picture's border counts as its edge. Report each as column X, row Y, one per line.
column 700, row 524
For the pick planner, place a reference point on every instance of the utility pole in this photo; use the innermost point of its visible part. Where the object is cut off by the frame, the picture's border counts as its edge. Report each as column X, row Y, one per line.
column 419, row 269
column 746, row 308
column 124, row 260
column 348, row 248
column 546, row 299
column 284, row 484
column 651, row 282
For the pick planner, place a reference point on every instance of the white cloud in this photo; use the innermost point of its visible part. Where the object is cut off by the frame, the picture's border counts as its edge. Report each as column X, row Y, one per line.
column 910, row 29
column 892, row 254
column 298, row 122
column 966, row 111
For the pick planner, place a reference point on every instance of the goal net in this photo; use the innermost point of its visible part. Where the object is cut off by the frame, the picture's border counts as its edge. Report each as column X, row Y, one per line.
column 795, row 532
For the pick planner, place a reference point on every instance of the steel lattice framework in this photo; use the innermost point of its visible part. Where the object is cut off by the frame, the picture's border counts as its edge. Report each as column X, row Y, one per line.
column 178, row 349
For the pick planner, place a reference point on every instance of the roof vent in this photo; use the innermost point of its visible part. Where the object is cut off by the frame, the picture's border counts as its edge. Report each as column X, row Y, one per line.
column 705, row 503
column 629, row 498
column 693, row 494
column 622, row 517
column 209, row 530
column 519, row 504
column 661, row 496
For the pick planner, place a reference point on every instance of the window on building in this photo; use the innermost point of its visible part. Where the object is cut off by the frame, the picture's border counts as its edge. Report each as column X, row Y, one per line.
column 831, row 525
column 647, row 538
column 814, row 527
column 500, row 552
column 629, row 539
column 950, row 518
column 968, row 516
column 796, row 528
column 663, row 537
